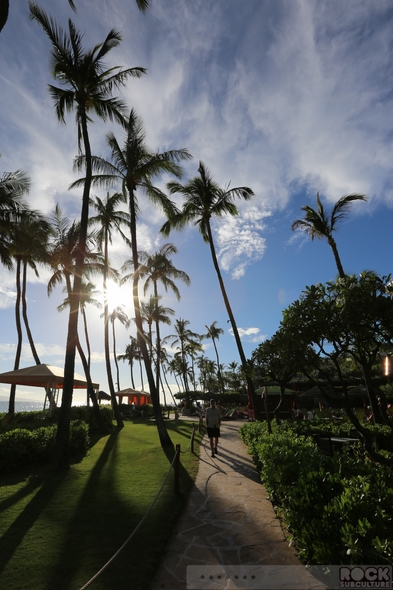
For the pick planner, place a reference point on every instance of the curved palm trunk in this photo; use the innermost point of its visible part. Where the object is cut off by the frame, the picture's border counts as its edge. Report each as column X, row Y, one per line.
column 11, row 402
column 165, row 440
column 245, row 366
column 333, row 246
column 4, row 6
column 114, row 356
column 24, row 313
column 115, row 405
column 158, row 347
column 87, row 339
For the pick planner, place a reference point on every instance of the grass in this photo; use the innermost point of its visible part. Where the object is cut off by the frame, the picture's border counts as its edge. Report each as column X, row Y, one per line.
column 57, row 531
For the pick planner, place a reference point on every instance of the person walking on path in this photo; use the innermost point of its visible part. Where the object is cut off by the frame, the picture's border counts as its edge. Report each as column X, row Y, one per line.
column 213, row 423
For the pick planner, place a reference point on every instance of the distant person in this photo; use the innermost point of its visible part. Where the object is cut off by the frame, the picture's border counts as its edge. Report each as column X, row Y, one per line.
column 213, row 423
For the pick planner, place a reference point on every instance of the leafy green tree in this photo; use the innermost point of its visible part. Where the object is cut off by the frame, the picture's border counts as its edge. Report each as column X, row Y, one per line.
column 204, row 199
column 319, row 223
column 136, row 166
column 86, row 86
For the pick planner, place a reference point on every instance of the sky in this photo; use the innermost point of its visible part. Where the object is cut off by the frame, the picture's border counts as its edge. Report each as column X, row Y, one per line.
column 287, row 97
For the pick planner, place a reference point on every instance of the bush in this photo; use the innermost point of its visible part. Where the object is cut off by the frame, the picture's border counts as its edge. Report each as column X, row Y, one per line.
column 339, row 510
column 20, row 447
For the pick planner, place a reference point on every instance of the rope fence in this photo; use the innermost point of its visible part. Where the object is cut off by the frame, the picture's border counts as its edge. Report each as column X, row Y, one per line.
column 176, row 468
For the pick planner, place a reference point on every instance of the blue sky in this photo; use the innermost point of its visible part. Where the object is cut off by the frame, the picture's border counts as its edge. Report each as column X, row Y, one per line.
column 287, row 97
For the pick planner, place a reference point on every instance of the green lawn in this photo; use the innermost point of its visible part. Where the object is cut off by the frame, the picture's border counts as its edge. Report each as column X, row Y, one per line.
column 57, row 531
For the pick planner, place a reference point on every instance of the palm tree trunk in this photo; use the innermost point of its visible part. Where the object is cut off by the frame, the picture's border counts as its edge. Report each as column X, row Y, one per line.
column 114, row 356
column 11, row 402
column 115, row 405
column 90, row 392
column 24, row 313
column 87, row 339
column 165, row 440
column 218, row 367
column 61, row 460
column 245, row 366
column 333, row 245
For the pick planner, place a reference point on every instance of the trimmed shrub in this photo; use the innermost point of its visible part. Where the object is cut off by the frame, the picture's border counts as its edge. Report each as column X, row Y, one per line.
column 20, row 447
column 338, row 510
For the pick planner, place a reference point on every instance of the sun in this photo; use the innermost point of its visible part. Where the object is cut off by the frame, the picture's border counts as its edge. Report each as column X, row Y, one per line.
column 117, row 296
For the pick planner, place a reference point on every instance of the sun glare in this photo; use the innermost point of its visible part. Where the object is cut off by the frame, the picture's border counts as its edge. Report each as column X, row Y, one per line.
column 117, row 296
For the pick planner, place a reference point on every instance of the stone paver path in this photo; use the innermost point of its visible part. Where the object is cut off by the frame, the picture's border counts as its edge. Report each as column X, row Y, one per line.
column 228, row 531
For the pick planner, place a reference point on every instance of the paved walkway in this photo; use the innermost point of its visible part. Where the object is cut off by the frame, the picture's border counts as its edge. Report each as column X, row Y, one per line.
column 228, row 535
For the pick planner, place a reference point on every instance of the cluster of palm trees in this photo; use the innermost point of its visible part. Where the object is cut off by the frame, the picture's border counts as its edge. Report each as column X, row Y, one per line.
column 78, row 250
column 84, row 86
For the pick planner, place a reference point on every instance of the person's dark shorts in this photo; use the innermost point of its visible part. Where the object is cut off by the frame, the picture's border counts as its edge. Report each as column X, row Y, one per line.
column 213, row 432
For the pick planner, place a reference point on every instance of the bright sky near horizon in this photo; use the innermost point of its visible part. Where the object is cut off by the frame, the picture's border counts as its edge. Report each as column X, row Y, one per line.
column 288, row 97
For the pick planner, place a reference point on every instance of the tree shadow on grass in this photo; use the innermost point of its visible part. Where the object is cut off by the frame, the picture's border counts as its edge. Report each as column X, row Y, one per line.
column 16, row 532
column 90, row 525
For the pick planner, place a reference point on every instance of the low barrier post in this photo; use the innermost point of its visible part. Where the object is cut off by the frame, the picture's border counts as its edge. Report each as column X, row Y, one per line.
column 176, row 468
column 192, row 438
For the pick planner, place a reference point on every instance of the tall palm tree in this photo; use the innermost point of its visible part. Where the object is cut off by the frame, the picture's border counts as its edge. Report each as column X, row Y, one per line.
column 27, row 245
column 118, row 314
column 319, row 223
column 86, row 87
column 135, row 165
column 214, row 333
column 156, row 268
column 62, row 255
column 109, row 218
column 204, row 199
column 186, row 341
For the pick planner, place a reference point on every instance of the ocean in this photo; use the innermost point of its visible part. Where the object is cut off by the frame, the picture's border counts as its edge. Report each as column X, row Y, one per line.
column 22, row 406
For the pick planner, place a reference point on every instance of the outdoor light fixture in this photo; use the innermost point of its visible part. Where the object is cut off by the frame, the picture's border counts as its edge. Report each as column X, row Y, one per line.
column 386, row 362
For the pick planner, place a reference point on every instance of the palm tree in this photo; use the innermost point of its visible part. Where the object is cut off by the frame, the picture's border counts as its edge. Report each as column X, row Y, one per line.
column 214, row 333
column 318, row 223
column 88, row 293
column 118, row 314
column 204, row 199
column 86, row 87
column 13, row 185
column 108, row 218
column 186, row 341
column 131, row 353
column 62, row 254
column 27, row 245
column 135, row 165
column 158, row 267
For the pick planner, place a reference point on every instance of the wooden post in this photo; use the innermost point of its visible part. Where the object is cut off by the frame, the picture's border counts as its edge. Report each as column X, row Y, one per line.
column 176, row 468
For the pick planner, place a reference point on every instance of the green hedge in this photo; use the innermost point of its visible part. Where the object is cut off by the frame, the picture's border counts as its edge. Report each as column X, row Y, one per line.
column 33, row 420
column 20, row 447
column 338, row 510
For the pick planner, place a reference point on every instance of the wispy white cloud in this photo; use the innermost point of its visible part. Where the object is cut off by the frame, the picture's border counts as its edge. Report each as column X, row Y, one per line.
column 250, row 334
